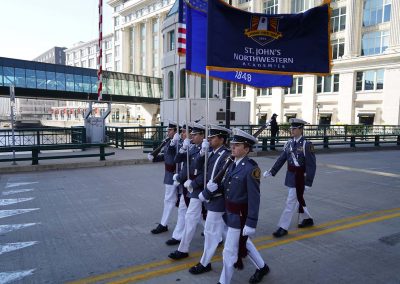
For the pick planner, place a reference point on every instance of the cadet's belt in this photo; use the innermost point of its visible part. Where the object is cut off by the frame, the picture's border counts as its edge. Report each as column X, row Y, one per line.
column 170, row 168
column 294, row 169
column 237, row 208
column 192, row 177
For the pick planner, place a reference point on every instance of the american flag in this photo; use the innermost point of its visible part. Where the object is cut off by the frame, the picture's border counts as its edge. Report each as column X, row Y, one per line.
column 196, row 4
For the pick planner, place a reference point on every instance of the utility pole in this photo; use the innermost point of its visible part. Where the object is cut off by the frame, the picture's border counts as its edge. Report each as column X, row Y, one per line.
column 12, row 107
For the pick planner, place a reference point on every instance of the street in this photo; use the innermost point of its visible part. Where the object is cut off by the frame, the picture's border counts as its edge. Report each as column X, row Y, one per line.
column 93, row 226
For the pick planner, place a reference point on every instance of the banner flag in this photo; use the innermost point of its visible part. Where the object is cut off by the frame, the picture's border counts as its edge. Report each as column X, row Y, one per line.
column 268, row 43
column 196, row 54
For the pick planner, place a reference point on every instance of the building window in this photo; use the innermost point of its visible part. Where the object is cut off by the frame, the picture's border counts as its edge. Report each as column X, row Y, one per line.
column 298, row 6
column 171, row 41
column 91, row 63
column 264, row 92
column 83, row 64
column 338, row 20
column 143, row 48
column 182, row 83
column 108, row 44
column 116, row 21
column 116, row 35
column 370, row 80
column 337, row 48
column 238, row 90
column 108, row 58
column 297, row 87
column 243, row 1
column 374, row 42
column 376, row 12
column 270, row 7
column 171, row 85
column 117, row 65
column 328, row 84
column 116, row 51
column 203, row 88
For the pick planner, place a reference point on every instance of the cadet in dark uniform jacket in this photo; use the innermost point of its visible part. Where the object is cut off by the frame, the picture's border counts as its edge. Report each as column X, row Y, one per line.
column 301, row 167
column 167, row 155
column 214, row 227
column 194, row 184
column 241, row 186
column 183, row 201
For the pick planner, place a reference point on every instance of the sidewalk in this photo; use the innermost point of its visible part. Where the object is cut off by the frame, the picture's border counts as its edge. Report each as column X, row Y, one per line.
column 121, row 157
column 132, row 157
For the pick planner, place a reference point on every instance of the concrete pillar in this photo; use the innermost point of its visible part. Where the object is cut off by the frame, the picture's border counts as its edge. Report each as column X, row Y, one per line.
column 284, row 8
column 277, row 104
column 394, row 40
column 308, row 98
column 391, row 97
column 353, row 29
column 346, row 98
column 124, row 50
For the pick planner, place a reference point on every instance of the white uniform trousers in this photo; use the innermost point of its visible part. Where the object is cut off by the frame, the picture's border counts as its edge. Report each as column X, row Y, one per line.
column 230, row 255
column 192, row 218
column 180, row 222
column 169, row 203
column 213, row 233
column 292, row 206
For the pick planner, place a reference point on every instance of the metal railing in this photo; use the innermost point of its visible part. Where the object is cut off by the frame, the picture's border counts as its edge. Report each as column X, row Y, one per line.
column 43, row 136
column 320, row 134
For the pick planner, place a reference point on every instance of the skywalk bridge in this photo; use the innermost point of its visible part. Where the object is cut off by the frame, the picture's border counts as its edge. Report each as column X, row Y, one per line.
column 51, row 81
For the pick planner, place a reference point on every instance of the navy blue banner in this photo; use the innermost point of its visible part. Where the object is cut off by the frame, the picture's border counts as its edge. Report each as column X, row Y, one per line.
column 196, row 55
column 268, row 43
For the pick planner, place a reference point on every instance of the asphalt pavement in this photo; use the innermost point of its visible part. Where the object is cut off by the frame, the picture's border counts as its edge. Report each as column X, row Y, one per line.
column 92, row 224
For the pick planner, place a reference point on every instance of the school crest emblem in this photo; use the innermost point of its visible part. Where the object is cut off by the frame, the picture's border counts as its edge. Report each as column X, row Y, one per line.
column 263, row 29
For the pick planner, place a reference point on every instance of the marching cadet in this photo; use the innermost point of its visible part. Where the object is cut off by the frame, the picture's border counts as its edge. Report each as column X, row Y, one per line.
column 214, row 201
column 194, row 184
column 183, row 198
column 167, row 156
column 301, row 167
column 241, row 186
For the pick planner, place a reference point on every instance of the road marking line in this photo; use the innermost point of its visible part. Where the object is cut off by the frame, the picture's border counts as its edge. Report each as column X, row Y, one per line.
column 9, row 201
column 176, row 268
column 14, row 184
column 344, row 168
column 7, row 277
column 196, row 255
column 16, row 191
column 13, row 227
column 8, row 213
column 15, row 246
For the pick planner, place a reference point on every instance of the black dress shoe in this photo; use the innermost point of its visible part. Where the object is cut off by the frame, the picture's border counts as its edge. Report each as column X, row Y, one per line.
column 280, row 233
column 306, row 223
column 259, row 275
column 178, row 255
column 160, row 229
column 199, row 268
column 172, row 242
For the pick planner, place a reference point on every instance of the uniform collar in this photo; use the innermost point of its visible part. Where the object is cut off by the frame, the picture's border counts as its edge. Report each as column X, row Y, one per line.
column 298, row 139
column 237, row 162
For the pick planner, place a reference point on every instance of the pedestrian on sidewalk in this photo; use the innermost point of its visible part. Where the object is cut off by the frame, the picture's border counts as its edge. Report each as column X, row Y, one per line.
column 301, row 167
column 274, row 130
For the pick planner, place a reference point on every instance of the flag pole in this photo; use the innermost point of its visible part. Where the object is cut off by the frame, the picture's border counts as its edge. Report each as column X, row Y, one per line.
column 187, row 116
column 207, row 122
column 100, row 59
column 177, row 105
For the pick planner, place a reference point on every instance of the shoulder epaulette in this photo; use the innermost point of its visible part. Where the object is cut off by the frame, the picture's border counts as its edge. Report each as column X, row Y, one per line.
column 254, row 163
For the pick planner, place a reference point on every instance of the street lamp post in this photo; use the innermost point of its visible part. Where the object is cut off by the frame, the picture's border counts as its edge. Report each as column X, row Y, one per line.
column 12, row 107
column 318, row 107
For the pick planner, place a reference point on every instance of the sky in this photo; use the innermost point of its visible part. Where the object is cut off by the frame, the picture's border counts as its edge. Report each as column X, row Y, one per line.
column 31, row 27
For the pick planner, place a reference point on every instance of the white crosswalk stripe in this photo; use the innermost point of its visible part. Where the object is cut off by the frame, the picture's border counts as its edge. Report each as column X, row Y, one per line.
column 15, row 246
column 8, row 213
column 17, row 191
column 7, row 277
column 13, row 227
column 4, row 202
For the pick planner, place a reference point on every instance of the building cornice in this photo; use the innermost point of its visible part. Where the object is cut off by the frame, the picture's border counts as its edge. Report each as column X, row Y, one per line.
column 367, row 62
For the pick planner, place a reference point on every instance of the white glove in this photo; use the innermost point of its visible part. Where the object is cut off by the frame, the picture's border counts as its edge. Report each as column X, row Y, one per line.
column 267, row 174
column 212, row 186
column 188, row 185
column 307, row 187
column 175, row 140
column 186, row 144
column 150, row 157
column 248, row 231
column 205, row 146
column 175, row 179
column 201, row 197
